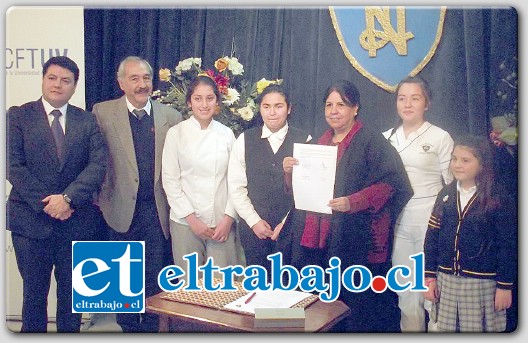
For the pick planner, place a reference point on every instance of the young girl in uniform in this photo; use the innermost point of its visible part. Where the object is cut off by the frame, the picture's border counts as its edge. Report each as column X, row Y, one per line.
column 470, row 246
column 425, row 150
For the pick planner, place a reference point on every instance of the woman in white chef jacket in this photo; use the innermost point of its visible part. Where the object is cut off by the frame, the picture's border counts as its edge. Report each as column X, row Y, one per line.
column 194, row 173
column 425, row 150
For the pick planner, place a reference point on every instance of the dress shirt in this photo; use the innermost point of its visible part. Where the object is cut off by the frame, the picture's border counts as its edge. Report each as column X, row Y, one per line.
column 237, row 172
column 465, row 194
column 62, row 119
column 194, row 171
column 131, row 107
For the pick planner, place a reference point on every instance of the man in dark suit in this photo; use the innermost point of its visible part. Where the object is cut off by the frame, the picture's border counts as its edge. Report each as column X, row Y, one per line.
column 56, row 164
column 132, row 198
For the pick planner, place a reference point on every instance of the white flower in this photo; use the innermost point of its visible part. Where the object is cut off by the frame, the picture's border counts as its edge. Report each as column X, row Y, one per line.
column 186, row 64
column 231, row 97
column 246, row 113
column 236, row 67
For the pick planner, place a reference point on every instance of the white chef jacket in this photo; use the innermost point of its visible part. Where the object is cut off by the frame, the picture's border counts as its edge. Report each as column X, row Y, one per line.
column 194, row 171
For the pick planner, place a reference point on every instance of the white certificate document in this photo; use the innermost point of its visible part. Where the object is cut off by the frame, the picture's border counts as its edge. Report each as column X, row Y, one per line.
column 267, row 299
column 313, row 178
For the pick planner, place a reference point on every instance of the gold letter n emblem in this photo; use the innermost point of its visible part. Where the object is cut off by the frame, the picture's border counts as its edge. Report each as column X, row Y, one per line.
column 372, row 39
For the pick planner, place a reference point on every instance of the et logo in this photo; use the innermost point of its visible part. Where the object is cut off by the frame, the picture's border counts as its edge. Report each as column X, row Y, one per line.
column 108, row 277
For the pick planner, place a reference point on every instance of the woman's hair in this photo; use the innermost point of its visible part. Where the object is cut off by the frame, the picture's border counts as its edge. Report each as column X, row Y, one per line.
column 481, row 149
column 419, row 81
column 202, row 80
column 348, row 91
column 274, row 88
column 425, row 89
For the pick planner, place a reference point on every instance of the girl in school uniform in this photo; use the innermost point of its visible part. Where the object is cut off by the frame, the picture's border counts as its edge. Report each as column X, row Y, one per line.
column 425, row 150
column 470, row 245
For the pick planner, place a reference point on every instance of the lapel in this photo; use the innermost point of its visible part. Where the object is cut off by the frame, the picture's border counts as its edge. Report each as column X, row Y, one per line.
column 124, row 132
column 161, row 126
column 74, row 131
column 42, row 133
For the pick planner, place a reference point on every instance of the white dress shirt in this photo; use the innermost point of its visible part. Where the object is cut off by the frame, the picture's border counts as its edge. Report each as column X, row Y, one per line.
column 131, row 107
column 194, row 171
column 62, row 119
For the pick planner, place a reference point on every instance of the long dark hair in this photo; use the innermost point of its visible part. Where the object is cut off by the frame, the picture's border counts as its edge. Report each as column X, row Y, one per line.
column 485, row 180
column 425, row 89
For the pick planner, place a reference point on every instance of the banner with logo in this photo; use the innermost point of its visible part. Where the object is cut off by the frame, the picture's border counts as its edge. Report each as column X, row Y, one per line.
column 33, row 35
column 386, row 44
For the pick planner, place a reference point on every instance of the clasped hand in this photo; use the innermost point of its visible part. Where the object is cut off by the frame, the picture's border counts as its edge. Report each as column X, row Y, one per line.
column 219, row 234
column 56, row 207
column 263, row 230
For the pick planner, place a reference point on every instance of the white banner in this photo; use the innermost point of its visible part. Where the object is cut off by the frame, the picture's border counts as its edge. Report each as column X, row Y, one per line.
column 33, row 35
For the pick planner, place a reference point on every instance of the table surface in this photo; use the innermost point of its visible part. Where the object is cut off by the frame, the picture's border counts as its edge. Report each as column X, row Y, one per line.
column 320, row 316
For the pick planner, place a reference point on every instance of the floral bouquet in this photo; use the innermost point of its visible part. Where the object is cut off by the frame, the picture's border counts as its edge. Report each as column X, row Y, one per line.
column 504, row 127
column 237, row 104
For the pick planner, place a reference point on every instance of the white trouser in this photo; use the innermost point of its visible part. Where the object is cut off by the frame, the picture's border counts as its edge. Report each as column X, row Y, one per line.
column 409, row 240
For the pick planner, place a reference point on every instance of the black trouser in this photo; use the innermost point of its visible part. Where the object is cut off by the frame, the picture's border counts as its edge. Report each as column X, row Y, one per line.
column 145, row 227
column 36, row 259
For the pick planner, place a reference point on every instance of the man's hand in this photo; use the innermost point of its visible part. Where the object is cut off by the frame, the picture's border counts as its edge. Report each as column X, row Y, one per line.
column 56, row 207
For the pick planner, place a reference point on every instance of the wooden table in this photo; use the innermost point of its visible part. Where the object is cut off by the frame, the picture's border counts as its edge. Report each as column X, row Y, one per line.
column 181, row 317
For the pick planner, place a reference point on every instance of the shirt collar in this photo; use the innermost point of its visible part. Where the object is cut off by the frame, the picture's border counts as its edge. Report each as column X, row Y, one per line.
column 196, row 123
column 131, row 107
column 466, row 191
column 266, row 133
column 48, row 108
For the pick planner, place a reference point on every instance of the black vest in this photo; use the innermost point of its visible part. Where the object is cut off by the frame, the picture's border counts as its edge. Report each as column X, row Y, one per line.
column 265, row 174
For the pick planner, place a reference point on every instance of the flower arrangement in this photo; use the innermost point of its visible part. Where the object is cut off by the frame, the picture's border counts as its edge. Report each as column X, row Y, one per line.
column 237, row 108
column 504, row 126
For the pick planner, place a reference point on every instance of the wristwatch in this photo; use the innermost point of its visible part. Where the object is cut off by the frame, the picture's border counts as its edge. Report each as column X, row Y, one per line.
column 67, row 199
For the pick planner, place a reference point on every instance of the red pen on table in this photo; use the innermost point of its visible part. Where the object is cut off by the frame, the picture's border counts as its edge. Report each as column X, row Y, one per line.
column 250, row 298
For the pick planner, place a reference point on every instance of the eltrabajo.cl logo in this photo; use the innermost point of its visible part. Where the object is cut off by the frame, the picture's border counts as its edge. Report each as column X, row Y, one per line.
column 108, row 277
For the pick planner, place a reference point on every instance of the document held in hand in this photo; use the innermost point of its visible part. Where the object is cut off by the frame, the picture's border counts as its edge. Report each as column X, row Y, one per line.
column 313, row 178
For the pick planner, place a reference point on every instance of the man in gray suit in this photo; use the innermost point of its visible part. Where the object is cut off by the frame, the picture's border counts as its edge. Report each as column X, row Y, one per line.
column 132, row 198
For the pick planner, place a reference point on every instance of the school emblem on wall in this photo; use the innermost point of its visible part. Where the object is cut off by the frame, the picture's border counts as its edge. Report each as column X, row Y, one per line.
column 386, row 44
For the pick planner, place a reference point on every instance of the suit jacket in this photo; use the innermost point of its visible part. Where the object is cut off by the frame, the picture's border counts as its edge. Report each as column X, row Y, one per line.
column 117, row 198
column 35, row 172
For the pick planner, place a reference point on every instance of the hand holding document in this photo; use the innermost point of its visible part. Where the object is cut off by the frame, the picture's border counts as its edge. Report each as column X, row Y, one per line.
column 313, row 178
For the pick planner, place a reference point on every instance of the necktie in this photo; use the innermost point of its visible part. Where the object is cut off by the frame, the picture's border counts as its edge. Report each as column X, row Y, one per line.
column 140, row 113
column 58, row 134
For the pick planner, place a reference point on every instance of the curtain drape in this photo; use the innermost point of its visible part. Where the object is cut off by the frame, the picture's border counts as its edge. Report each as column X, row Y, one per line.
column 300, row 46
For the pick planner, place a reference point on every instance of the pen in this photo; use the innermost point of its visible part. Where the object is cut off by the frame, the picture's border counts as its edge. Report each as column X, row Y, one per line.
column 250, row 298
